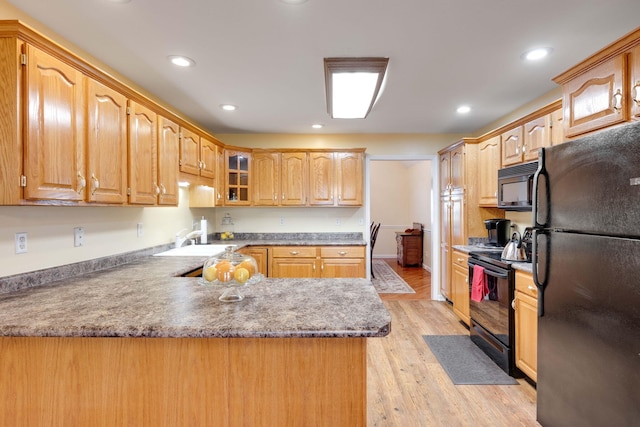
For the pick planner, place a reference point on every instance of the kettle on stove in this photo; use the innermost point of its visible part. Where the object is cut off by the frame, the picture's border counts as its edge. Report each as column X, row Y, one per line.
column 514, row 250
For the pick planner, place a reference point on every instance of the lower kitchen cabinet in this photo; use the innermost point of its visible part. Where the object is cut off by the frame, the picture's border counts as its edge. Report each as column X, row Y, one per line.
column 460, row 285
column 261, row 256
column 317, row 261
column 525, row 304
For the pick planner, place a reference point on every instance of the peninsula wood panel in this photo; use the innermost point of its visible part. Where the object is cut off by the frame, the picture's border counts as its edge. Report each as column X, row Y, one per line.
column 176, row 382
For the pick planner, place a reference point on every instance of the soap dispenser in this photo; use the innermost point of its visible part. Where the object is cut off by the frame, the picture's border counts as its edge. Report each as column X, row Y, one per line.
column 204, row 229
column 227, row 227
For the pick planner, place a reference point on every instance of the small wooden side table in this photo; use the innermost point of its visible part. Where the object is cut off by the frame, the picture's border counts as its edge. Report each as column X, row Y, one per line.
column 409, row 249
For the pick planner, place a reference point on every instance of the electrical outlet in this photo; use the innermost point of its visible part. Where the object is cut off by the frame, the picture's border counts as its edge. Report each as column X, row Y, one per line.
column 338, row 221
column 140, row 232
column 281, row 221
column 361, row 221
column 78, row 236
column 21, row 243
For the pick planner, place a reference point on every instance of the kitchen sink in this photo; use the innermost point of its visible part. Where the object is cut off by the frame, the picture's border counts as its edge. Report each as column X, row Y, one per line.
column 194, row 250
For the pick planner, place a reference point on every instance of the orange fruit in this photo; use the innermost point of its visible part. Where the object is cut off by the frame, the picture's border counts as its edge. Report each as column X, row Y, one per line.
column 249, row 266
column 241, row 275
column 225, row 271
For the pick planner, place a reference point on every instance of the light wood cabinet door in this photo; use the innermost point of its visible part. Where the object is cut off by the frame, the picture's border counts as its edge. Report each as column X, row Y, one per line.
column 208, row 152
column 219, row 183
column 189, row 152
column 457, row 169
column 457, row 221
column 304, row 268
column 536, row 135
column 556, row 120
column 266, row 170
column 349, row 179
column 261, row 256
column 342, row 268
column 460, row 285
column 488, row 165
column 54, row 162
column 634, row 81
column 511, row 146
column 445, row 244
column 445, row 174
column 106, row 144
column 294, row 182
column 595, row 100
column 168, row 161
column 322, row 179
column 143, row 143
column 526, row 325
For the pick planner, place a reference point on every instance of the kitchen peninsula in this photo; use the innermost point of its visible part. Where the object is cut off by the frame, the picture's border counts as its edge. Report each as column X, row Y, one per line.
column 138, row 344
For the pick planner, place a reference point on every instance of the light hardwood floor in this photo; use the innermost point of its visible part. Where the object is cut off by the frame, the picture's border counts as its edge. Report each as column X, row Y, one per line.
column 408, row 387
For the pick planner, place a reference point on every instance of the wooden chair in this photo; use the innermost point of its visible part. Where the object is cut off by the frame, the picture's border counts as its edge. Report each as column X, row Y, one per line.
column 372, row 242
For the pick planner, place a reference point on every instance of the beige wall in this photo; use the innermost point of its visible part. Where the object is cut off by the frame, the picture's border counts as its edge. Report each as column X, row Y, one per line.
column 400, row 195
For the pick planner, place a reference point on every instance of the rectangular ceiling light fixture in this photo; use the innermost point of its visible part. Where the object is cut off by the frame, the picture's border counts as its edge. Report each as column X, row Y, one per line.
column 353, row 85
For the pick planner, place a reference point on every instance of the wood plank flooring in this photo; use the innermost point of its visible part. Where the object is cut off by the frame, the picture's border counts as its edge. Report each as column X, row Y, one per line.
column 408, row 387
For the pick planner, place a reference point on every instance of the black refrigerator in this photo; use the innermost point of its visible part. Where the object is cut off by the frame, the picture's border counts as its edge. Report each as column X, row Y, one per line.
column 586, row 258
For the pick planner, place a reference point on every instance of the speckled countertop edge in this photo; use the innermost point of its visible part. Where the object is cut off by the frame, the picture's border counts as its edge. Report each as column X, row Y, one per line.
column 147, row 298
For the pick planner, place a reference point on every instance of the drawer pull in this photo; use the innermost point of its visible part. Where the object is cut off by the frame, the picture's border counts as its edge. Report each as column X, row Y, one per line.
column 460, row 259
column 342, row 253
column 294, row 252
column 617, row 101
column 532, row 288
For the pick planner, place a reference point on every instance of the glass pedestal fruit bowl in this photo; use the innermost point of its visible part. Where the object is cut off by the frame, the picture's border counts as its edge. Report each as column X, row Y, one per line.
column 230, row 270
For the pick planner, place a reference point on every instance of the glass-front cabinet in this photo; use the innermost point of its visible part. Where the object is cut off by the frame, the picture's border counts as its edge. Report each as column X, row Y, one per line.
column 238, row 177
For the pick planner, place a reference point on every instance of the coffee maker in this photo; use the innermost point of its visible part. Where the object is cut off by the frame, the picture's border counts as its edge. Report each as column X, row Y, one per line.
column 499, row 231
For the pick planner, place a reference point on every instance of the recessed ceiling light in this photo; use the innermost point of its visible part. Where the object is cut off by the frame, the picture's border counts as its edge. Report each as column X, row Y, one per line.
column 181, row 61
column 317, row 126
column 293, row 1
column 120, row 1
column 537, row 53
column 463, row 109
column 228, row 107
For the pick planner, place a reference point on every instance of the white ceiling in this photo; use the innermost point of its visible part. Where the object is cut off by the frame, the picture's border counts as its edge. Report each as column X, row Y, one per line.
column 266, row 56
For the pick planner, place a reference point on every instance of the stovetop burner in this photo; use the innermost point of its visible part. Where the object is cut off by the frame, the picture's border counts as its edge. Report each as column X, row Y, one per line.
column 491, row 257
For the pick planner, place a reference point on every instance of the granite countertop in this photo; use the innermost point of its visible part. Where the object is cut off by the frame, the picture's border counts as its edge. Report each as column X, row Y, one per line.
column 522, row 266
column 148, row 298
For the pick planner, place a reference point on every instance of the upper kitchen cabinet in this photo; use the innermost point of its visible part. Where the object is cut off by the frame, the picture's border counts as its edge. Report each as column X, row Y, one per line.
column 143, row 167
column 511, row 141
column 197, row 154
column 280, row 178
column 336, row 178
column 488, row 165
column 294, row 178
column 556, row 121
column 537, row 135
column 266, row 182
column 602, row 90
column 106, row 144
column 54, row 163
column 452, row 170
column 350, row 178
column 237, row 177
column 168, row 159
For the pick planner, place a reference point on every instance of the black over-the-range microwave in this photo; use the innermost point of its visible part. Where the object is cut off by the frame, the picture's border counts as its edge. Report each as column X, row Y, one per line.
column 515, row 187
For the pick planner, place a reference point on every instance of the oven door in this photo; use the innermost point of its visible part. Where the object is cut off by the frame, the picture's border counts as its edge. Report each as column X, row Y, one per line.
column 492, row 313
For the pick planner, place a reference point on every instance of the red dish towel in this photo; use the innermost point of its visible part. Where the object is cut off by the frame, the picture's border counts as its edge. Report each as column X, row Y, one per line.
column 479, row 286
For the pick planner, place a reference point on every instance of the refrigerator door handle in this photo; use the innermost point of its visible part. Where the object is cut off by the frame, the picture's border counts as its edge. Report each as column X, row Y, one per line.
column 540, row 216
column 540, row 266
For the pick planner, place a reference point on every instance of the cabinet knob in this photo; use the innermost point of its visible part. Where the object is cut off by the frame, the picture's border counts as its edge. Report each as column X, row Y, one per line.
column 532, row 288
column 513, row 304
column 163, row 190
column 294, row 252
column 460, row 259
column 157, row 189
column 342, row 253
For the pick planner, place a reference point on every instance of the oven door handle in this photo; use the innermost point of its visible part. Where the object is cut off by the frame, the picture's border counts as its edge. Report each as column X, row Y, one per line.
column 489, row 269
